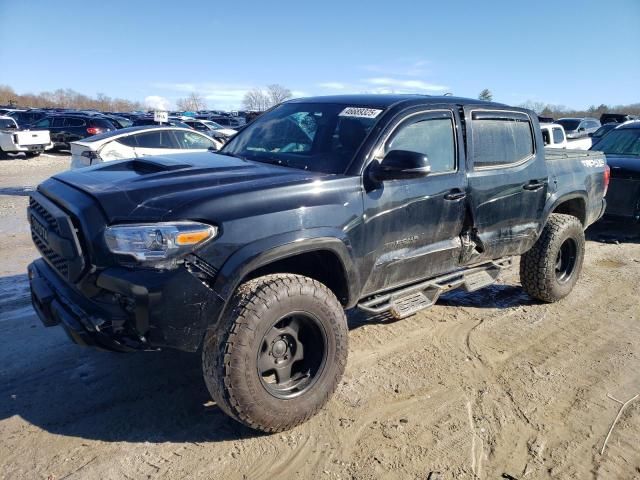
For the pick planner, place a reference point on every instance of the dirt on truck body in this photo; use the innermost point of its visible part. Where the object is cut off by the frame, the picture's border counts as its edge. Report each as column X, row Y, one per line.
column 481, row 385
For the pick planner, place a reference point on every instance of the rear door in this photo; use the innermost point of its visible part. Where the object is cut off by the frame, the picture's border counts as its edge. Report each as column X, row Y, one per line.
column 507, row 180
column 412, row 227
column 157, row 142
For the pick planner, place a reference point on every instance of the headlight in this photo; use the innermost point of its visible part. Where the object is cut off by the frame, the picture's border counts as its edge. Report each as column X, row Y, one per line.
column 158, row 244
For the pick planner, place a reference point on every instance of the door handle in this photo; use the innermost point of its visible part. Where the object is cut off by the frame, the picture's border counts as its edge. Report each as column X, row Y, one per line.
column 533, row 185
column 455, row 195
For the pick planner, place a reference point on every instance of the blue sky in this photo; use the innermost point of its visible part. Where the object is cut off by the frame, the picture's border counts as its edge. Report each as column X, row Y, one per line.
column 571, row 52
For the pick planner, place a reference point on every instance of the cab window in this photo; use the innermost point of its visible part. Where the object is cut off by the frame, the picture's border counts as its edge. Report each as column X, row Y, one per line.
column 501, row 138
column 433, row 137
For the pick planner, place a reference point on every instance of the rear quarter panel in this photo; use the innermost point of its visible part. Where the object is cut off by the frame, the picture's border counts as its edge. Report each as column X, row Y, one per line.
column 576, row 174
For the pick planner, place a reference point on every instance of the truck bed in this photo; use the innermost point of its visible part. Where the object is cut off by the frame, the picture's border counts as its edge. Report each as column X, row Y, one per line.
column 556, row 154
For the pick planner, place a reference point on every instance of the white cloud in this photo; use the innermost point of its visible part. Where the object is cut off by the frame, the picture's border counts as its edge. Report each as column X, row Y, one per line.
column 332, row 85
column 396, row 84
column 403, row 67
column 156, row 102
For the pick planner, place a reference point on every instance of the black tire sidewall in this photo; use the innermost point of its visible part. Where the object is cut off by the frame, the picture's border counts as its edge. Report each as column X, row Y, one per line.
column 574, row 231
column 246, row 396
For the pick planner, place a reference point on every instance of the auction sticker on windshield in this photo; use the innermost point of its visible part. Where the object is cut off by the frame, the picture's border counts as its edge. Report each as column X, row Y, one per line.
column 360, row 112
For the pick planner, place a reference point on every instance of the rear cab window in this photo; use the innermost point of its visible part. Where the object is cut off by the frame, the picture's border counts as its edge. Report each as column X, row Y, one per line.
column 501, row 138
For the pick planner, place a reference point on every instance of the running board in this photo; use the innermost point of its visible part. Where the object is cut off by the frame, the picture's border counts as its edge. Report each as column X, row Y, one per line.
column 409, row 300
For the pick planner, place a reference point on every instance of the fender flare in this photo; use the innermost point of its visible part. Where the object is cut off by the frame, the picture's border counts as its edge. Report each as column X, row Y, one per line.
column 556, row 200
column 266, row 251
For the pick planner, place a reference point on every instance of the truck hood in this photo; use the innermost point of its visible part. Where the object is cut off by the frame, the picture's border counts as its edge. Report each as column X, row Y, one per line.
column 624, row 166
column 151, row 189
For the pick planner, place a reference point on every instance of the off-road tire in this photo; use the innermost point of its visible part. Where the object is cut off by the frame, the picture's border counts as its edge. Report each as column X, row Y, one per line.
column 229, row 353
column 538, row 265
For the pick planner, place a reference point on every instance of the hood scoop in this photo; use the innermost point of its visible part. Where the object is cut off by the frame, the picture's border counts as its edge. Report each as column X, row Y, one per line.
column 144, row 165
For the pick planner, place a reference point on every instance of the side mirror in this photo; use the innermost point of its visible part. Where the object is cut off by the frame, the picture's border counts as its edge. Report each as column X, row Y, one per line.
column 581, row 129
column 401, row 164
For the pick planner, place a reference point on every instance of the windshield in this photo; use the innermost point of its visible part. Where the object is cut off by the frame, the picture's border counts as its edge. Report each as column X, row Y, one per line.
column 604, row 129
column 310, row 136
column 569, row 124
column 213, row 125
column 7, row 123
column 621, row 142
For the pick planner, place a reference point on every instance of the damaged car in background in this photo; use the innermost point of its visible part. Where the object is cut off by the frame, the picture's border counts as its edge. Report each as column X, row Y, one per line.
column 136, row 142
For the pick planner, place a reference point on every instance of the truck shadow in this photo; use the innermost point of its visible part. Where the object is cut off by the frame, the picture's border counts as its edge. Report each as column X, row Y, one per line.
column 152, row 396
column 614, row 231
column 74, row 391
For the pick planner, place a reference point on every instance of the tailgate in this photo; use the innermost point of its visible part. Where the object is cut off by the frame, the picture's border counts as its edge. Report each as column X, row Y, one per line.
column 33, row 137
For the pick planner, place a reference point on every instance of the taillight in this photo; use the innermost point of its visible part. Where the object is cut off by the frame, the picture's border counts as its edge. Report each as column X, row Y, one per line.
column 607, row 177
column 93, row 130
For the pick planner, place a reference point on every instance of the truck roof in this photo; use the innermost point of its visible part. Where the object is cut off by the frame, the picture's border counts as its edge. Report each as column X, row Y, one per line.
column 386, row 100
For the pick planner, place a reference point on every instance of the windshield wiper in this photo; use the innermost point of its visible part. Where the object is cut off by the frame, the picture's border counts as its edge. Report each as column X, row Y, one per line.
column 227, row 154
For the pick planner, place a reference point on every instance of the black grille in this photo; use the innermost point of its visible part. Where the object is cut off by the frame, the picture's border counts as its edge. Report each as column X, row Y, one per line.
column 68, row 261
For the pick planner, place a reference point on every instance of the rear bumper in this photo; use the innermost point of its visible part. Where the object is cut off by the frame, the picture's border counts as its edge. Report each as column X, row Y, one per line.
column 39, row 148
column 130, row 310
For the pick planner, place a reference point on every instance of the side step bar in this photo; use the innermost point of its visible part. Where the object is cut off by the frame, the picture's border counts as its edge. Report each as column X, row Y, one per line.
column 409, row 300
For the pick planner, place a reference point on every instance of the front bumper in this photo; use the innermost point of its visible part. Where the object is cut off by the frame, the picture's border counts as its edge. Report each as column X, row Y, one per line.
column 127, row 310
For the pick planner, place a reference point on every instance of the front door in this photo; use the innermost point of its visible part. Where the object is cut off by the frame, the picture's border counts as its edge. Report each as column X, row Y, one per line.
column 507, row 181
column 412, row 227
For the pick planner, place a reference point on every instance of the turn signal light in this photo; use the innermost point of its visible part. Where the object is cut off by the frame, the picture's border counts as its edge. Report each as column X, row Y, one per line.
column 607, row 177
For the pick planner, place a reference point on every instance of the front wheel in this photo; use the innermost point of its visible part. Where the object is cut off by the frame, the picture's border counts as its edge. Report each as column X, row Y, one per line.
column 551, row 268
column 32, row 154
column 279, row 352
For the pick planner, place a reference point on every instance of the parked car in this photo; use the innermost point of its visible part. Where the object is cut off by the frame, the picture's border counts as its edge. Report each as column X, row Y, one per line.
column 616, row 118
column 66, row 128
column 136, row 142
column 15, row 140
column 27, row 117
column 227, row 122
column 251, row 256
column 601, row 132
column 578, row 127
column 211, row 128
column 553, row 135
column 622, row 149
column 142, row 121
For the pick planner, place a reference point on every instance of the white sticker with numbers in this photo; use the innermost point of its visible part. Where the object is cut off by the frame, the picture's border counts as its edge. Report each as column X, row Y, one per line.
column 360, row 112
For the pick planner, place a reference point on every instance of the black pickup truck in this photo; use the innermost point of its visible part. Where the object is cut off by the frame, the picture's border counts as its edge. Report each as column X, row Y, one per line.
column 252, row 254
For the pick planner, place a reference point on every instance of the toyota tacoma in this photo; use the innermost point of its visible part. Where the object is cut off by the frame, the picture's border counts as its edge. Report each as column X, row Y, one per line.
column 251, row 255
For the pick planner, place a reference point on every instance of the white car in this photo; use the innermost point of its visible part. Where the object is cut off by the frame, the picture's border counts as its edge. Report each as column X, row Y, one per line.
column 14, row 139
column 209, row 127
column 553, row 135
column 136, row 142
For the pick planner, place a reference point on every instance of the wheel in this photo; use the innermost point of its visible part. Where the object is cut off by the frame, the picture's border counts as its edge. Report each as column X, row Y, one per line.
column 551, row 268
column 32, row 154
column 279, row 352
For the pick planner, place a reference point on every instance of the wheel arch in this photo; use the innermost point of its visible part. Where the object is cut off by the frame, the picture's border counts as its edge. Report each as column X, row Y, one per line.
column 574, row 204
column 326, row 259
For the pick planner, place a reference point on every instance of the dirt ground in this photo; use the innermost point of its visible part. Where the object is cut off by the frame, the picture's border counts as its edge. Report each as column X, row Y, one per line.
column 485, row 385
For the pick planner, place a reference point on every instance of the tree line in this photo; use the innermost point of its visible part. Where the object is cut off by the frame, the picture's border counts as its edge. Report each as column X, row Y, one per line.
column 558, row 111
column 66, row 98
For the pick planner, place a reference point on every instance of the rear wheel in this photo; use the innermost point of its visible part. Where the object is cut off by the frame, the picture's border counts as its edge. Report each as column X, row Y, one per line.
column 552, row 267
column 279, row 352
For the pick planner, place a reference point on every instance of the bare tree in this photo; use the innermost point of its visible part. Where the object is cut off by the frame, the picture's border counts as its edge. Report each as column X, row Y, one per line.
column 277, row 94
column 192, row 103
column 256, row 99
column 485, row 95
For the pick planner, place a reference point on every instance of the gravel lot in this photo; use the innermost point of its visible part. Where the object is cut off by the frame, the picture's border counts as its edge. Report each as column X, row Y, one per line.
column 481, row 385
